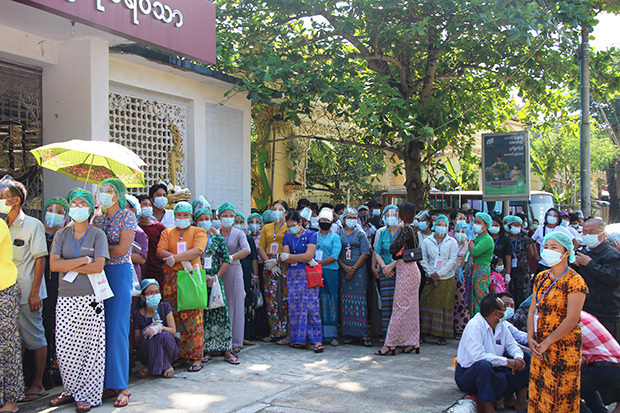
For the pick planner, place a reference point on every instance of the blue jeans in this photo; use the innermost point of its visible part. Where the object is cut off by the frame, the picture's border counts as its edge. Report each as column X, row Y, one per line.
column 600, row 375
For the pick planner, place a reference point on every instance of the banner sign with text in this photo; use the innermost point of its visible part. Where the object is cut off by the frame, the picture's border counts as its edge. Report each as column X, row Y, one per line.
column 506, row 166
column 180, row 27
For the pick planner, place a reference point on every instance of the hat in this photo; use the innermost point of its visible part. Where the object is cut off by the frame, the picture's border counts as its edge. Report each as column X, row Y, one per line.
column 226, row 206
column 134, row 203
column 359, row 208
column 267, row 216
column 389, row 207
column 200, row 203
column 563, row 239
column 58, row 200
column 564, row 213
column 485, row 217
column 348, row 211
column 146, row 282
column 119, row 187
column 306, row 213
column 84, row 194
column 373, row 204
column 327, row 214
column 183, row 207
column 239, row 214
column 255, row 215
column 512, row 219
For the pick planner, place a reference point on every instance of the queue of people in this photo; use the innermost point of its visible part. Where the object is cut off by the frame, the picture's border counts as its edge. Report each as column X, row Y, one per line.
column 117, row 276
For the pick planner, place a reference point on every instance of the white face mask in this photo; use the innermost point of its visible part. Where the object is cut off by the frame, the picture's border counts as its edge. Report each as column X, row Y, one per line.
column 499, row 268
column 551, row 220
column 4, row 208
column 493, row 230
column 591, row 240
column 551, row 257
column 460, row 236
column 515, row 230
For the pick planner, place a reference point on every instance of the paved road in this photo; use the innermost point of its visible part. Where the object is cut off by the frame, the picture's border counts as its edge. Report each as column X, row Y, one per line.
column 273, row 378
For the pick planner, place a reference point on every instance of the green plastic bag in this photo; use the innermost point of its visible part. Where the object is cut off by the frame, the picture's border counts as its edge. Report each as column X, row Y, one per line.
column 192, row 291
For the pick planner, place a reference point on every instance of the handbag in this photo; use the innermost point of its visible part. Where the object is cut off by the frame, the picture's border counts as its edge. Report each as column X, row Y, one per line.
column 314, row 276
column 414, row 253
column 216, row 300
column 192, row 290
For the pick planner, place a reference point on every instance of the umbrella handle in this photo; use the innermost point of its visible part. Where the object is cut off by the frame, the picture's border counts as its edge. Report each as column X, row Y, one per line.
column 89, row 168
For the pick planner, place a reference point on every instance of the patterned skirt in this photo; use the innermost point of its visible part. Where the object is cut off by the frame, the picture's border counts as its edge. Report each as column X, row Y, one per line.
column 479, row 281
column 461, row 310
column 81, row 347
column 11, row 377
column 188, row 322
column 217, row 328
column 354, row 304
column 328, row 295
column 386, row 287
column 304, row 318
column 437, row 308
column 404, row 328
column 277, row 303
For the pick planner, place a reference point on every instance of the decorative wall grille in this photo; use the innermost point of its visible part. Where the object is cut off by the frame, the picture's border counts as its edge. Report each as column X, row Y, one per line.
column 20, row 130
column 155, row 131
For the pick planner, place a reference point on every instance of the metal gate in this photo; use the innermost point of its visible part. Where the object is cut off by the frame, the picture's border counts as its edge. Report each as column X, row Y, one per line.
column 20, row 130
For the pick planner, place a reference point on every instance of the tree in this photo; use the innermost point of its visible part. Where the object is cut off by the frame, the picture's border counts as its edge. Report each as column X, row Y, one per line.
column 414, row 77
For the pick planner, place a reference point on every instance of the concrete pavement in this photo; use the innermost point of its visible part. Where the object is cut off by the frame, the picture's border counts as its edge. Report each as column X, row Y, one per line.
column 275, row 378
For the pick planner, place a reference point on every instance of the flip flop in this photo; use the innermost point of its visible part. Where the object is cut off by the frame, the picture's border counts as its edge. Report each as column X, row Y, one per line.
column 194, row 368
column 37, row 396
column 233, row 360
column 60, row 400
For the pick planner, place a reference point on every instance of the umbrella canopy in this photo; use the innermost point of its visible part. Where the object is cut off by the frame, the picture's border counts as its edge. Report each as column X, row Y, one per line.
column 92, row 161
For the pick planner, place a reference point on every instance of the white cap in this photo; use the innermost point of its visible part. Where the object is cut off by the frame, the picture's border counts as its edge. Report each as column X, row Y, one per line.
column 306, row 213
column 326, row 213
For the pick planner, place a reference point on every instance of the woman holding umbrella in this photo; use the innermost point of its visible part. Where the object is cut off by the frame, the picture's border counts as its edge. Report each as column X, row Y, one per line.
column 120, row 226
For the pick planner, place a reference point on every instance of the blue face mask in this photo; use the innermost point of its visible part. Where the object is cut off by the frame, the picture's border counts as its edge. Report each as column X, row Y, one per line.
column 277, row 215
column 441, row 230
column 254, row 228
column 204, row 224
column 147, row 212
column 181, row 223
column 53, row 220
column 391, row 221
column 239, row 227
column 564, row 223
column 351, row 223
column 153, row 300
column 294, row 230
column 376, row 212
column 228, row 222
column 160, row 202
column 105, row 199
column 423, row 225
column 79, row 214
column 217, row 224
column 460, row 236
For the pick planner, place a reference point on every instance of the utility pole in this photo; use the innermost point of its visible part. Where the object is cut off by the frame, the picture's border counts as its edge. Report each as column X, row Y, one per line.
column 586, row 202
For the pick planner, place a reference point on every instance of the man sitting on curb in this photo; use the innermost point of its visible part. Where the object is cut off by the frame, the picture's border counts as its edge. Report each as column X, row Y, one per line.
column 481, row 366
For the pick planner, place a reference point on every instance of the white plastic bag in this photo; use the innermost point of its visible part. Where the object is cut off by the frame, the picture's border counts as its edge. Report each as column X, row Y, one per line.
column 100, row 285
column 136, row 283
column 215, row 298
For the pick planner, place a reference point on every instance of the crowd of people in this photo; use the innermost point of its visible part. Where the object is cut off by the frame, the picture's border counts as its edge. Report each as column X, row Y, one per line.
column 108, row 280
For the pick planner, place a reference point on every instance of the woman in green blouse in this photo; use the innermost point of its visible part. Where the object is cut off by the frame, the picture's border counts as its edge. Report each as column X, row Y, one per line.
column 481, row 252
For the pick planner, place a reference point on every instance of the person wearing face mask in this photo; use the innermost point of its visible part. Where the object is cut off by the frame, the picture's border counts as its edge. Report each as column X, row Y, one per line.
column 153, row 229
column 374, row 314
column 375, row 214
column 120, row 226
column 461, row 310
column 353, row 279
column 439, row 254
column 232, row 279
column 78, row 250
column 551, row 224
column 499, row 232
column 328, row 249
column 424, row 223
column 385, row 268
column 497, row 284
column 269, row 247
column 261, row 326
column 533, row 227
column 457, row 217
column 249, row 264
column 553, row 330
column 215, row 259
column 56, row 209
column 521, row 252
column 140, row 244
column 298, row 250
column 29, row 256
column 519, row 336
column 158, row 195
column 481, row 254
column 154, row 331
column 180, row 248
column 599, row 265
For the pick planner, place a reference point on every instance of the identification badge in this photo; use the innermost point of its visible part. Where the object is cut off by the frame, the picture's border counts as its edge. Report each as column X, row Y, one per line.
column 294, row 264
column 514, row 263
column 348, row 254
column 438, row 264
column 208, row 262
column 70, row 276
column 181, row 247
column 273, row 248
column 536, row 321
column 318, row 255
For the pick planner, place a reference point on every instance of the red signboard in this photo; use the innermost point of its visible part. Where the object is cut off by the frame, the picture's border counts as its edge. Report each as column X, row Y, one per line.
column 183, row 27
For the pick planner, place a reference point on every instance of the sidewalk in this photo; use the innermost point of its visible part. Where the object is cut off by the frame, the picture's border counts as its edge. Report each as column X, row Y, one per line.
column 274, row 378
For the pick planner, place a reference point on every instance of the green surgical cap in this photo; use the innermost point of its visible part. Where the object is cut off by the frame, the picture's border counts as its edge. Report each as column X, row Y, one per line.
column 201, row 211
column 267, row 216
column 119, row 187
column 255, row 215
column 225, row 207
column 58, row 200
column 485, row 217
column 84, row 194
column 388, row 207
column 239, row 214
column 511, row 219
column 442, row 218
column 200, row 203
column 183, row 207
column 563, row 239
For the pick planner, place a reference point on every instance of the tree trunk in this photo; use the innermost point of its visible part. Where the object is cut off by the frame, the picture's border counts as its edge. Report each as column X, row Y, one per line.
column 416, row 191
column 613, row 186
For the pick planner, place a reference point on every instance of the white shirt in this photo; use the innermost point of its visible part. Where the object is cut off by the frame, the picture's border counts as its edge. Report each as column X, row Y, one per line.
column 446, row 253
column 30, row 233
column 539, row 237
column 479, row 342
column 519, row 336
column 167, row 219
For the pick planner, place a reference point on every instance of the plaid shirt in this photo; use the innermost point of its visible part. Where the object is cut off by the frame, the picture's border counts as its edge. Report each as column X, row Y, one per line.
column 598, row 343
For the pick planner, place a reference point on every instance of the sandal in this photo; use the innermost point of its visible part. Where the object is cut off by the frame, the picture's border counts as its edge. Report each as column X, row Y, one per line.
column 60, row 400
column 367, row 342
column 122, row 400
column 194, row 368
column 301, row 346
column 318, row 348
column 442, row 341
column 232, row 360
column 237, row 350
column 206, row 358
column 247, row 343
column 348, row 341
column 143, row 373
column 283, row 342
column 180, row 363
column 168, row 373
column 82, row 407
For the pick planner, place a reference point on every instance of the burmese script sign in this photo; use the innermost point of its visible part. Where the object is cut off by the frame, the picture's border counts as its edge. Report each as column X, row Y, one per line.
column 184, row 27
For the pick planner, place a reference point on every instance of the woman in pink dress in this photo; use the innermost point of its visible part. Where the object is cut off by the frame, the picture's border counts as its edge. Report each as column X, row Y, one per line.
column 404, row 327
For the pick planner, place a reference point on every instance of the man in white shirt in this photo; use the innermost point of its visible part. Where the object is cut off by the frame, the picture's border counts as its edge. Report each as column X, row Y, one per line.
column 482, row 368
